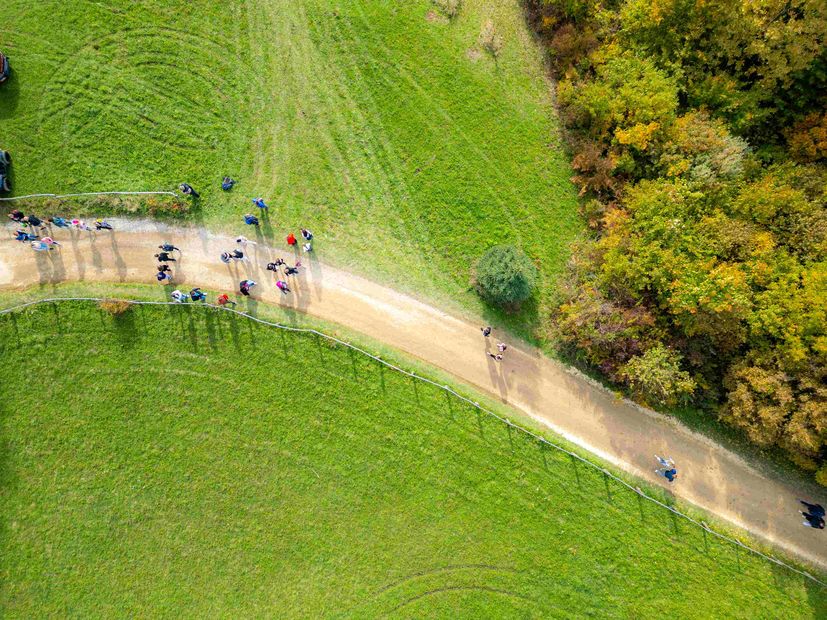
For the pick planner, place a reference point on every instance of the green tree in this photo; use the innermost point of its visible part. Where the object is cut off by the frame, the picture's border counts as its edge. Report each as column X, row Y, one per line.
column 630, row 102
column 505, row 276
column 738, row 57
column 656, row 377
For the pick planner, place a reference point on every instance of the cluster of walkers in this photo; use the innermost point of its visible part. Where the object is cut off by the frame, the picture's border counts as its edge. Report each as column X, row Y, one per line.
column 38, row 233
column 279, row 267
column 501, row 346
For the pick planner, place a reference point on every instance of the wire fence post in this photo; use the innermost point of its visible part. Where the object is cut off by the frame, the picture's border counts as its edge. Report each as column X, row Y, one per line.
column 638, row 494
column 606, row 484
column 576, row 472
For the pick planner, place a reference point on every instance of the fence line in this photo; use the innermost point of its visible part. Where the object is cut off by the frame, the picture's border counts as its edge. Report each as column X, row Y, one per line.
column 737, row 543
column 159, row 193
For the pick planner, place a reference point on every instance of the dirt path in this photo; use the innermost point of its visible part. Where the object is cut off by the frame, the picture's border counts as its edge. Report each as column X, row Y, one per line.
column 710, row 476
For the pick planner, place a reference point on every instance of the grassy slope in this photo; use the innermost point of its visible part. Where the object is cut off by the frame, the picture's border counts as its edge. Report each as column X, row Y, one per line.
column 385, row 132
column 185, row 462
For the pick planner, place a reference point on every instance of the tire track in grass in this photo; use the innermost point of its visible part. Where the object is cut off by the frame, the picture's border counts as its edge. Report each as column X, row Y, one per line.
column 384, row 159
column 450, row 126
column 272, row 160
column 351, row 131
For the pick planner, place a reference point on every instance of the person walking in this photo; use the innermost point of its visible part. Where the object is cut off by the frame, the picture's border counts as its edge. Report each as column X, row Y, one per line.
column 24, row 236
column 307, row 247
column 501, row 347
column 178, row 297
column 259, row 202
column 291, row 240
column 308, row 236
column 251, row 220
column 102, row 225
column 667, row 468
column 49, row 241
column 486, row 331
column 59, row 222
column 282, row 286
column 292, row 271
column 226, row 257
column 227, row 184
column 814, row 509
column 223, row 299
column 237, row 255
column 274, row 266
column 164, row 257
column 168, row 247
column 245, row 286
column 497, row 357
column 188, row 190
column 243, row 241
column 39, row 246
column 81, row 225
column 811, row 520
column 164, row 273
column 197, row 294
column 16, row 215
column 33, row 221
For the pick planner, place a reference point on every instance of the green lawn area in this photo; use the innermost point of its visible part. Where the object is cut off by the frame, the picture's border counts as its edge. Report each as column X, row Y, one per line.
column 381, row 128
column 187, row 462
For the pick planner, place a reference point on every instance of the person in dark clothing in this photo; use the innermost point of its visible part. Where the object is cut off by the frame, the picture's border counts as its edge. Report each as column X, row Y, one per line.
column 33, row 221
column 308, row 236
column 813, row 509
column 168, row 247
column 164, row 257
column 251, row 220
column 486, row 331
column 162, row 273
column 188, row 190
column 813, row 521
column 275, row 265
column 197, row 294
column 237, row 255
column 496, row 357
column 291, row 271
column 227, row 184
column 16, row 215
column 102, row 225
column 245, row 286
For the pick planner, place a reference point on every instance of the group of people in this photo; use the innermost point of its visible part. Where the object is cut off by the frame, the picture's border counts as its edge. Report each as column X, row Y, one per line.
column 279, row 267
column 37, row 233
column 164, row 257
column 501, row 346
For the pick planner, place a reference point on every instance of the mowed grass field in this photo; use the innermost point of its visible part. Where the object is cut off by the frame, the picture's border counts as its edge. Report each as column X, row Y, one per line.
column 378, row 124
column 186, row 462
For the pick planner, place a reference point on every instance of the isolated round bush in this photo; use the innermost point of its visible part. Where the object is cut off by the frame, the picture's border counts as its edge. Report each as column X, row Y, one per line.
column 505, row 276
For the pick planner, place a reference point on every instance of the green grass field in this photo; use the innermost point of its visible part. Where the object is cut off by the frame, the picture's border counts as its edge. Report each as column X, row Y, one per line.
column 384, row 130
column 187, row 462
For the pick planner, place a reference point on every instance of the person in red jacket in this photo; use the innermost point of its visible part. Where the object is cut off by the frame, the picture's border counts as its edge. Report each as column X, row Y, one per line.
column 224, row 299
column 291, row 239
